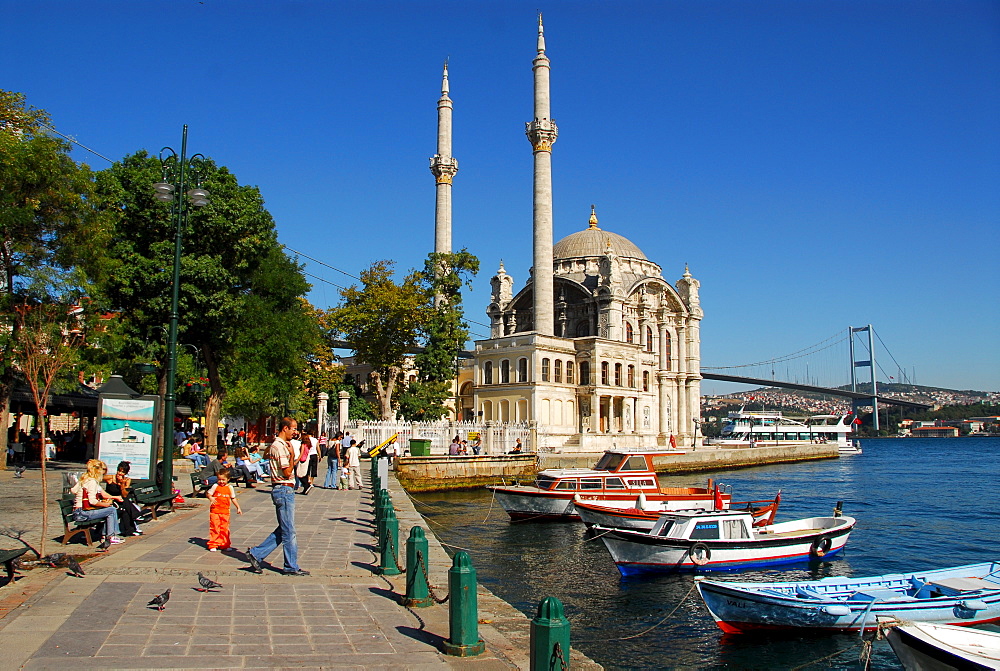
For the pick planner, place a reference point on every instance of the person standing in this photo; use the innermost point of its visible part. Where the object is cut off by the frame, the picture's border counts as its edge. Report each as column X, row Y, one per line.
column 354, row 466
column 332, row 462
column 222, row 496
column 282, row 459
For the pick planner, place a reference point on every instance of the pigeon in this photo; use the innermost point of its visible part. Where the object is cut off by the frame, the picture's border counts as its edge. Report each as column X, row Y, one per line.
column 19, row 471
column 75, row 568
column 160, row 600
column 207, row 584
column 54, row 560
column 105, row 544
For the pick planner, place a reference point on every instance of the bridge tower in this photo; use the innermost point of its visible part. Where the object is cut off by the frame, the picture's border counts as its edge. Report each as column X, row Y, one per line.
column 869, row 363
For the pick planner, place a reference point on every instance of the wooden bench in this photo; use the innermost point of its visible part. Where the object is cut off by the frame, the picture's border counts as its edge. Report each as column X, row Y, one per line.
column 8, row 559
column 66, row 507
column 198, row 486
column 151, row 498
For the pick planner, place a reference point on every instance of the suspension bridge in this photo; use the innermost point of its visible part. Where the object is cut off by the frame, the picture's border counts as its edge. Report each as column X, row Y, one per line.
column 805, row 368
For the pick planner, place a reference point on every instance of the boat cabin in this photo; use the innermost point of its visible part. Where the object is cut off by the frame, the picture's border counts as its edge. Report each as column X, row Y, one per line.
column 702, row 525
column 617, row 471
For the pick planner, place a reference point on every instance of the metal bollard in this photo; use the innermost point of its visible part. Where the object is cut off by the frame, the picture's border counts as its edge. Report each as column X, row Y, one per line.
column 463, row 610
column 549, row 637
column 383, row 506
column 417, row 594
column 389, row 544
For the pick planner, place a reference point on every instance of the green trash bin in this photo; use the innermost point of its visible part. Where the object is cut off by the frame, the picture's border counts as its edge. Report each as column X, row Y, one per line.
column 420, row 447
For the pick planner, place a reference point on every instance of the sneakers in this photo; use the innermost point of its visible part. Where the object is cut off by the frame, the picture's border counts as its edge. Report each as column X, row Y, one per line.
column 305, row 490
column 254, row 563
column 115, row 540
column 296, row 572
column 213, row 549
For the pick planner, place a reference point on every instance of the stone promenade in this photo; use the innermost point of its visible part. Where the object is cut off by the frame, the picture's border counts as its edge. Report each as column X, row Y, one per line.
column 344, row 615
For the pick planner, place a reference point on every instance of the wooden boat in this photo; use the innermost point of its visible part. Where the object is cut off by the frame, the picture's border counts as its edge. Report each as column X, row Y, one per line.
column 644, row 515
column 618, row 479
column 722, row 540
column 944, row 646
column 962, row 595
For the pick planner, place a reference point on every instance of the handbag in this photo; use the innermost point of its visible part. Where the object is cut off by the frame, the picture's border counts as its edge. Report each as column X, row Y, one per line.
column 302, row 469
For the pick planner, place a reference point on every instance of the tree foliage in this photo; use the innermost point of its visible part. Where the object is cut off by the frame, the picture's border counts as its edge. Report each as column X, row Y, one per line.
column 380, row 321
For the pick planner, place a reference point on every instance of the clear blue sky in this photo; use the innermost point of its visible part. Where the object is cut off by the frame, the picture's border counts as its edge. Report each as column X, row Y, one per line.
column 818, row 164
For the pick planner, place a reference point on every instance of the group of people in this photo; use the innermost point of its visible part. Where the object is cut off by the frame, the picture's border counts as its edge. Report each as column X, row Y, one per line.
column 99, row 495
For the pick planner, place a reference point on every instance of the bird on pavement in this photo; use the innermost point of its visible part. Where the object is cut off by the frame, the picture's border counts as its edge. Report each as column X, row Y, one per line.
column 19, row 471
column 207, row 584
column 12, row 566
column 75, row 568
column 105, row 544
column 160, row 600
column 54, row 560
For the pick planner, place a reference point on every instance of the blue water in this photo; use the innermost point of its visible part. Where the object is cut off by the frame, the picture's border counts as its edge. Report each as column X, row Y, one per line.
column 920, row 503
column 136, row 425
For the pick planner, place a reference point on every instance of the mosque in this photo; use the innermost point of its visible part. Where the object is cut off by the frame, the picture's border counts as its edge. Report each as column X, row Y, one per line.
column 596, row 349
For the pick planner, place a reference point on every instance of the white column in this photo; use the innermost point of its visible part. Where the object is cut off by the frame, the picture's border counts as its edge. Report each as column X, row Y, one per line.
column 444, row 167
column 343, row 408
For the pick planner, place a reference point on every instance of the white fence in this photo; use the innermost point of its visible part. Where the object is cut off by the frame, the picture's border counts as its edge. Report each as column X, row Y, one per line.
column 497, row 438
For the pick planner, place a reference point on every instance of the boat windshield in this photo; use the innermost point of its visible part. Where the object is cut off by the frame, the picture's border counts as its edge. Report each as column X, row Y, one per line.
column 545, row 482
column 609, row 462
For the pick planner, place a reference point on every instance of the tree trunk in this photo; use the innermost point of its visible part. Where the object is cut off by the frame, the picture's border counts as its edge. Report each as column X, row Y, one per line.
column 383, row 390
column 213, row 404
column 45, row 482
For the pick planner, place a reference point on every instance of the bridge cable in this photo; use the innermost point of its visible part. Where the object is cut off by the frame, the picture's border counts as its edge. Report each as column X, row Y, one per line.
column 788, row 357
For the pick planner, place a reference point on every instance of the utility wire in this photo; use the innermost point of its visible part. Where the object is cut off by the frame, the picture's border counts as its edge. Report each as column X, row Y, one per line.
column 322, row 263
column 80, row 144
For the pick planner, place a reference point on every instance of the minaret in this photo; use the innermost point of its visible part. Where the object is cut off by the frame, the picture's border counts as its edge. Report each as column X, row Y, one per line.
column 542, row 133
column 443, row 166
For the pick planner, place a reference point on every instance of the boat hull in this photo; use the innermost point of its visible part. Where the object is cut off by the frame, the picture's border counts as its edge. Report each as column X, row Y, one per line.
column 930, row 647
column 637, row 552
column 644, row 520
column 525, row 502
column 845, row 604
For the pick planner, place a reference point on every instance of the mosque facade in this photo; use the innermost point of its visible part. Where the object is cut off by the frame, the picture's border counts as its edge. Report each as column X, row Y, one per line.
column 597, row 349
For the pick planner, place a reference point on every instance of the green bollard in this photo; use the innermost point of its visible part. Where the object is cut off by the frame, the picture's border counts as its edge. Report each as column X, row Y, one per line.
column 463, row 611
column 390, row 544
column 383, row 506
column 417, row 594
column 549, row 637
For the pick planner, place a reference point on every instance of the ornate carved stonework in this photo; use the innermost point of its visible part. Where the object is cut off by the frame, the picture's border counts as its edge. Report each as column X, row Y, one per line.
column 444, row 168
column 542, row 133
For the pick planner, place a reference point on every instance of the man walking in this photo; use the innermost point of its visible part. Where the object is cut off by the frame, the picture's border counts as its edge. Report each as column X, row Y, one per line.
column 354, row 466
column 283, row 459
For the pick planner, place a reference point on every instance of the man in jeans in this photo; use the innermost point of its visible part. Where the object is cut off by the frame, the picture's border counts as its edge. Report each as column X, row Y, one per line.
column 282, row 459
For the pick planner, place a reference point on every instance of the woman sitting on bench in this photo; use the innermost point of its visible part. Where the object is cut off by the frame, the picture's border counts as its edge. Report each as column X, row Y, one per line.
column 93, row 503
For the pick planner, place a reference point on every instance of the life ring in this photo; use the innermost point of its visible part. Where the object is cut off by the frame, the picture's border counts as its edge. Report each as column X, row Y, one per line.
column 700, row 554
column 821, row 546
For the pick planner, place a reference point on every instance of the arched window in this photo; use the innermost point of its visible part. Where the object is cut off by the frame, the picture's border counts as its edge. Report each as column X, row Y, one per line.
column 505, row 371
column 585, row 373
column 649, row 339
column 645, row 380
column 557, row 371
column 631, row 377
column 666, row 347
column 569, row 372
column 604, row 373
column 618, row 375
column 488, row 372
column 583, row 328
column 629, row 335
column 522, row 370
column 545, row 370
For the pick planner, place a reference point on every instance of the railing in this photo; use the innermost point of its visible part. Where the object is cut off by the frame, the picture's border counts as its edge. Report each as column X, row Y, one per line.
column 496, row 438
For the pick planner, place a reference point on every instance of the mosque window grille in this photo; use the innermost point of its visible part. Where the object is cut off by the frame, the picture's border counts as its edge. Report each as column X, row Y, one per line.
column 645, row 380
column 522, row 370
column 585, row 373
column 618, row 375
column 557, row 370
column 545, row 369
column 488, row 372
column 569, row 372
column 631, row 377
column 605, row 373
column 505, row 371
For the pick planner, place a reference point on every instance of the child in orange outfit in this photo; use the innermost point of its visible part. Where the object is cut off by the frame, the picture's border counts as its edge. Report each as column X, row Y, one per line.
column 220, row 496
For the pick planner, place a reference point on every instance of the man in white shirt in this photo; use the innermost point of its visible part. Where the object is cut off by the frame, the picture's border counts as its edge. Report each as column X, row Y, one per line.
column 354, row 466
column 283, row 459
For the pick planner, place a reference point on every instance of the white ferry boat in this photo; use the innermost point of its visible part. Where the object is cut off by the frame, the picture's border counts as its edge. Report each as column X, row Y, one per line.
column 754, row 428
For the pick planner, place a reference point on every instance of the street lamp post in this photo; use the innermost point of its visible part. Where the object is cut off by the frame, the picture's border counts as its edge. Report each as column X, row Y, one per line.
column 174, row 169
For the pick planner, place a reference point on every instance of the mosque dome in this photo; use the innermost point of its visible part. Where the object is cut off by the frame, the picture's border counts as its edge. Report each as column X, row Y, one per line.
column 593, row 241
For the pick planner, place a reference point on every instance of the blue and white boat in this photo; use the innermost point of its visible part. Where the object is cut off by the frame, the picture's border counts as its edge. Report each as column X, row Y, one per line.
column 945, row 647
column 722, row 540
column 963, row 595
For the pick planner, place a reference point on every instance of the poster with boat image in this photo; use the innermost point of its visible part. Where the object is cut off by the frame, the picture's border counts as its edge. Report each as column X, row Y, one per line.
column 126, row 434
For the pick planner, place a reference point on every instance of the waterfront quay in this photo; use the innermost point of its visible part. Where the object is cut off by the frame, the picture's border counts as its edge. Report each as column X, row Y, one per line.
column 343, row 615
column 444, row 472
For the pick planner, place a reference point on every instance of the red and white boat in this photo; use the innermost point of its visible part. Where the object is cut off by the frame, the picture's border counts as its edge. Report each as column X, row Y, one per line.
column 644, row 515
column 618, row 480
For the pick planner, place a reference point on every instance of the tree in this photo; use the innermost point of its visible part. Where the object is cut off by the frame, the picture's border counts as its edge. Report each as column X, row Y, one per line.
column 444, row 333
column 234, row 276
column 47, row 224
column 45, row 346
column 380, row 322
